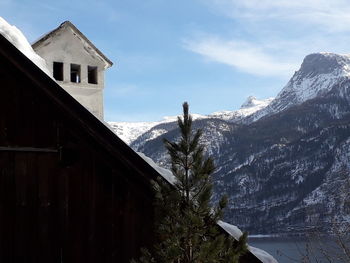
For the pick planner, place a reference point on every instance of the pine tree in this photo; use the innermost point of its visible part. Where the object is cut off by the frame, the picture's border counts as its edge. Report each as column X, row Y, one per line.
column 185, row 221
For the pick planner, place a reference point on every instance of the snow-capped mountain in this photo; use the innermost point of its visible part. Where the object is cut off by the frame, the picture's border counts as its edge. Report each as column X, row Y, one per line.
column 287, row 171
column 130, row 131
column 317, row 75
column 250, row 106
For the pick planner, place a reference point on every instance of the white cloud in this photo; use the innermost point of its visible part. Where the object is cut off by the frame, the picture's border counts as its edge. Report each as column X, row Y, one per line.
column 244, row 56
column 271, row 37
column 327, row 15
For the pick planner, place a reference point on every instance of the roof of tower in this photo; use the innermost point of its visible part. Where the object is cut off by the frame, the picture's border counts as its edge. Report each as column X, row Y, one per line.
column 78, row 32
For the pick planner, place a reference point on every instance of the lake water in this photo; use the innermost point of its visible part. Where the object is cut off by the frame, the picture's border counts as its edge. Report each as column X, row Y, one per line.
column 286, row 250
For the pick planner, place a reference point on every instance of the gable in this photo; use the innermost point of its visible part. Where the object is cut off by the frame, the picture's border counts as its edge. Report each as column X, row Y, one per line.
column 68, row 44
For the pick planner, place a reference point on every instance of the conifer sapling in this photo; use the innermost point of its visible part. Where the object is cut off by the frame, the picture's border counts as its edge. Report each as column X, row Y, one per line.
column 185, row 221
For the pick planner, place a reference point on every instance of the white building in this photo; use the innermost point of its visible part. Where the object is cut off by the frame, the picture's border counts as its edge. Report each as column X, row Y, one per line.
column 76, row 64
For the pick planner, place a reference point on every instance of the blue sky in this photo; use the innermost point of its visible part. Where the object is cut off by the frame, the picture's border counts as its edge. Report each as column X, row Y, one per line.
column 211, row 53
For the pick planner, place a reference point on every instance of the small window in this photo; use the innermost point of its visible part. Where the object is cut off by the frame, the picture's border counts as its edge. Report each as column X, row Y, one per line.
column 92, row 75
column 58, row 70
column 75, row 73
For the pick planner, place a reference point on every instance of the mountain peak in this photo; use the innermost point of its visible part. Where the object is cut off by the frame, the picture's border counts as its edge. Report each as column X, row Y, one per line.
column 250, row 102
column 324, row 63
column 317, row 75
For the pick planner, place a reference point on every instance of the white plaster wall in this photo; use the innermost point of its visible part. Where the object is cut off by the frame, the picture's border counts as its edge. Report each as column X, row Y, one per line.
column 67, row 47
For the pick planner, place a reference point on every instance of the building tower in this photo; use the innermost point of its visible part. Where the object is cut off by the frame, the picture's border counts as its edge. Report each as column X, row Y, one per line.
column 76, row 64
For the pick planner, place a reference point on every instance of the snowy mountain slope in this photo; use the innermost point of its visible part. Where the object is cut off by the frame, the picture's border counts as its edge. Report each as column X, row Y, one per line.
column 284, row 172
column 293, row 178
column 317, row 75
column 214, row 127
column 211, row 128
column 281, row 171
column 250, row 106
column 130, row 131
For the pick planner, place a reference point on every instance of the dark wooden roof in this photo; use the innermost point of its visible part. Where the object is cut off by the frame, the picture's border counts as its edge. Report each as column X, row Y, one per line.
column 70, row 24
column 87, row 121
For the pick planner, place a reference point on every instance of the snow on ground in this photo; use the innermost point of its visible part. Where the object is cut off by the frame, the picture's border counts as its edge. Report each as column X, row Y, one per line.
column 235, row 232
column 16, row 37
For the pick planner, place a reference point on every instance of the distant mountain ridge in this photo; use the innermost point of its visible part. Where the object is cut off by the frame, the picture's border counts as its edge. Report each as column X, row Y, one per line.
column 306, row 83
column 250, row 106
column 130, row 131
column 285, row 166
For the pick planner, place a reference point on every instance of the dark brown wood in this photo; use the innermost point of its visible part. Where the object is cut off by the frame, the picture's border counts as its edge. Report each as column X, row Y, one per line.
column 69, row 191
column 26, row 149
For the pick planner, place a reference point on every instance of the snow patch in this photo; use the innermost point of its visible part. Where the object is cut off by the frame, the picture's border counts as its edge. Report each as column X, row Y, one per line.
column 156, row 133
column 315, row 197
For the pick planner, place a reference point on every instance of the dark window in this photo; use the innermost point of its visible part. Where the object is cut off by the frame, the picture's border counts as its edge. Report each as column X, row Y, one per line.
column 58, row 70
column 75, row 73
column 92, row 75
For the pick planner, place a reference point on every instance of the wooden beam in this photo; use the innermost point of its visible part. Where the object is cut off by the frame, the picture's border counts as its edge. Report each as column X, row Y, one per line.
column 26, row 149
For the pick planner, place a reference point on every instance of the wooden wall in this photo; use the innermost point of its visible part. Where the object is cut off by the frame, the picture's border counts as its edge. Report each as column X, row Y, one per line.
column 63, row 197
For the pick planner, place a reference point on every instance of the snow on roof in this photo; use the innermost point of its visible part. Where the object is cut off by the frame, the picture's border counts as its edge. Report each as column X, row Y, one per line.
column 167, row 174
column 231, row 229
column 235, row 232
column 262, row 255
column 16, row 37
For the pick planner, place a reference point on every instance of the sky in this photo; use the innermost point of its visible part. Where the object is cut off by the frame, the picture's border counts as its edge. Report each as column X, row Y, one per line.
column 211, row 53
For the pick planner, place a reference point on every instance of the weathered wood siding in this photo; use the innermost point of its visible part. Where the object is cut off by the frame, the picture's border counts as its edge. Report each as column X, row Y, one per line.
column 63, row 197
